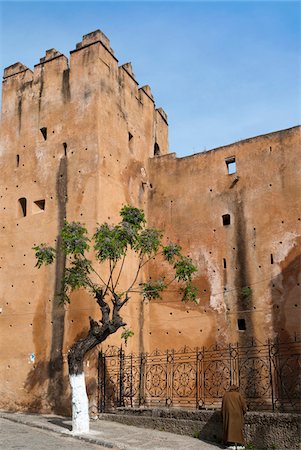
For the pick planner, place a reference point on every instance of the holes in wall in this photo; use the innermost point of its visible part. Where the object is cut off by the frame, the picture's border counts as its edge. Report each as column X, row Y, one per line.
column 65, row 148
column 22, row 207
column 18, row 160
column 226, row 219
column 272, row 258
column 224, row 263
column 231, row 165
column 38, row 206
column 241, row 324
column 157, row 150
column 43, row 130
column 130, row 136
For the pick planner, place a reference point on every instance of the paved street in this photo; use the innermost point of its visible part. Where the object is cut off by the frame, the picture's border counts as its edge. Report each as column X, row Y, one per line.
column 18, row 436
column 39, row 432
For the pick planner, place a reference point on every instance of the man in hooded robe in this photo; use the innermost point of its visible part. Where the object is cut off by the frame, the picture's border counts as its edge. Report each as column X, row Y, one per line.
column 234, row 408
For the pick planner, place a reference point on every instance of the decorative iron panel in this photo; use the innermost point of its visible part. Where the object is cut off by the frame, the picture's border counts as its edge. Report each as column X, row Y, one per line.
column 268, row 376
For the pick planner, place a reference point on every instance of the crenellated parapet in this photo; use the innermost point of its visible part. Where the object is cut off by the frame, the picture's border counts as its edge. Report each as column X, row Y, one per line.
column 89, row 83
column 91, row 58
column 50, row 55
column 14, row 69
column 94, row 37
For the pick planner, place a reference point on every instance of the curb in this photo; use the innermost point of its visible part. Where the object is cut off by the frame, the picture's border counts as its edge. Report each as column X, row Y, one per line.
column 42, row 426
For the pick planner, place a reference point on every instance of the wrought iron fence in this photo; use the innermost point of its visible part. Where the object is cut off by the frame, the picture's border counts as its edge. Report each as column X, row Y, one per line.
column 268, row 375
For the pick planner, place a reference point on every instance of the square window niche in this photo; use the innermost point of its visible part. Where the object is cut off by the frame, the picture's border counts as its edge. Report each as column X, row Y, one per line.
column 231, row 165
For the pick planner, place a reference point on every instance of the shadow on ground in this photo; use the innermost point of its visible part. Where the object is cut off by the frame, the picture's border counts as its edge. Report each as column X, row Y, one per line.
column 60, row 422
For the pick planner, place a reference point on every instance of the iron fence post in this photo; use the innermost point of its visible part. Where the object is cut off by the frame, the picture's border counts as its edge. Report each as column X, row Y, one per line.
column 141, row 380
column 121, row 380
column 131, row 380
column 101, row 373
column 196, row 378
column 271, row 374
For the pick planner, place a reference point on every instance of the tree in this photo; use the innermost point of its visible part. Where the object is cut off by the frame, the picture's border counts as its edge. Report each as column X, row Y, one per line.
column 111, row 246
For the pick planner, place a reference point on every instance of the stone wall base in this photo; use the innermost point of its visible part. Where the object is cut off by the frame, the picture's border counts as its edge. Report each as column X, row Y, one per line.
column 263, row 430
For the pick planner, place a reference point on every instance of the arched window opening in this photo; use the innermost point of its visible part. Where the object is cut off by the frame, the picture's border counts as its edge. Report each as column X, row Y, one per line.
column 156, row 150
column 43, row 130
column 22, row 207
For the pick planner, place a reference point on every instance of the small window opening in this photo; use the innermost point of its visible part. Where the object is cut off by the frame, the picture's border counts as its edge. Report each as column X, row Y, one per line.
column 226, row 219
column 156, row 150
column 43, row 130
column 224, row 263
column 18, row 160
column 231, row 165
column 65, row 148
column 22, row 207
column 272, row 258
column 130, row 136
column 241, row 323
column 38, row 206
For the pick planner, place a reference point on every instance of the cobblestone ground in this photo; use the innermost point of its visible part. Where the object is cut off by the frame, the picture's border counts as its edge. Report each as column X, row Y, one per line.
column 15, row 436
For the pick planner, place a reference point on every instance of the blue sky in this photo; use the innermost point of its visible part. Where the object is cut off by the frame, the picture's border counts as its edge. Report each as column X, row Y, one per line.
column 223, row 71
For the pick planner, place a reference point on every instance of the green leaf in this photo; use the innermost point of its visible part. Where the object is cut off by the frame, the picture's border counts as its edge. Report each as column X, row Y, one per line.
column 126, row 334
column 149, row 241
column 152, row 289
column 44, row 255
column 189, row 293
column 171, row 251
column 134, row 216
column 110, row 242
column 76, row 276
column 184, row 269
column 74, row 238
column 246, row 292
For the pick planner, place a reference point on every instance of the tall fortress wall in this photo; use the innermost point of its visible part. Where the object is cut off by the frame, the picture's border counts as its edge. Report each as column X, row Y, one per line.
column 79, row 139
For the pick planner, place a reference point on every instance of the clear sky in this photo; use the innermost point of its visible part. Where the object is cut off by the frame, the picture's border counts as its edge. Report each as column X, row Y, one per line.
column 223, row 71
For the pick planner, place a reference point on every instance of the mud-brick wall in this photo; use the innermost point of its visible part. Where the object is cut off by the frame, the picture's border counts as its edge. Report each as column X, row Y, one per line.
column 76, row 136
column 243, row 230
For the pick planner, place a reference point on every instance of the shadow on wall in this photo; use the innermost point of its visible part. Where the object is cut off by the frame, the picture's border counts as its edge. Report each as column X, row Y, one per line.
column 286, row 295
column 49, row 398
column 212, row 429
column 37, row 380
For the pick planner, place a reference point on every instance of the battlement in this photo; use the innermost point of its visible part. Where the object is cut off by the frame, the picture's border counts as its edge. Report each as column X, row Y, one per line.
column 127, row 67
column 50, row 55
column 14, row 69
column 93, row 38
column 97, row 55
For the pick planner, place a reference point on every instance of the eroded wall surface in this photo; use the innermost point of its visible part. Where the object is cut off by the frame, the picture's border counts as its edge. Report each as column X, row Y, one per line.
column 75, row 140
column 243, row 229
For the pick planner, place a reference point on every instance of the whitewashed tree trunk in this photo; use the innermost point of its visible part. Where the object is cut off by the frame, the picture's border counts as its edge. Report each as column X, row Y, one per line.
column 80, row 404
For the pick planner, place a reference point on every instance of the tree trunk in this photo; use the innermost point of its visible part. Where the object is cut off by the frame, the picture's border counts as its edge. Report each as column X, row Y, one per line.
column 99, row 331
column 80, row 403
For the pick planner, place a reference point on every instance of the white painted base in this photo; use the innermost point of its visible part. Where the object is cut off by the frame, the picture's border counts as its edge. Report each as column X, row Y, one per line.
column 80, row 404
